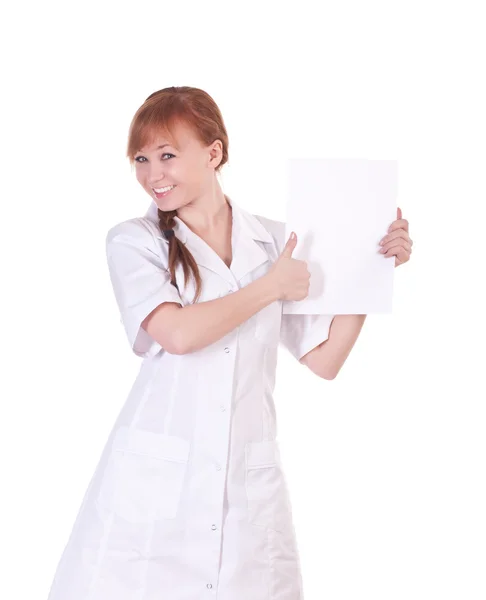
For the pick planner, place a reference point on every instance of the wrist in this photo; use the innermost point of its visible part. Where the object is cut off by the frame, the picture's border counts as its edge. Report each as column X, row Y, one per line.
column 270, row 288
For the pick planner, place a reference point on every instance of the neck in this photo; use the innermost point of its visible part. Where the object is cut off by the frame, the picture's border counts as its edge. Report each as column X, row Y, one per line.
column 207, row 215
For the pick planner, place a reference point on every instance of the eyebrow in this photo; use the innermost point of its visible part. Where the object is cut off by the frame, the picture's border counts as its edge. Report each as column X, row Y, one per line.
column 159, row 147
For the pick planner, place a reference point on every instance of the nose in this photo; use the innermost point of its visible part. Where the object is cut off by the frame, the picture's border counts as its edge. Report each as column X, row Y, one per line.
column 156, row 178
column 157, row 182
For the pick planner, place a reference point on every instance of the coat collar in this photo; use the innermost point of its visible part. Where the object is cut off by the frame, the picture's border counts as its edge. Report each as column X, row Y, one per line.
column 247, row 235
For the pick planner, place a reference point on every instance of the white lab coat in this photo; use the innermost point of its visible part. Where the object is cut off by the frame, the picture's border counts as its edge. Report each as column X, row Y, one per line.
column 189, row 500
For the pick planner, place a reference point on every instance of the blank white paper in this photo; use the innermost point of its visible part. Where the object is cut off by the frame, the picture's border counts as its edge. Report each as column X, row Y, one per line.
column 340, row 209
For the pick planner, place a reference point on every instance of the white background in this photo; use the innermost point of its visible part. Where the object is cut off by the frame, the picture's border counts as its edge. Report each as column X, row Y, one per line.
column 386, row 464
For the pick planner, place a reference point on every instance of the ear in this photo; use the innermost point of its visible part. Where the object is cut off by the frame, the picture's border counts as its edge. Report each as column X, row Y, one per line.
column 216, row 153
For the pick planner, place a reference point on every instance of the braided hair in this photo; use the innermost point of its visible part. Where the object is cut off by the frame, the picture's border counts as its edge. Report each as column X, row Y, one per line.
column 178, row 253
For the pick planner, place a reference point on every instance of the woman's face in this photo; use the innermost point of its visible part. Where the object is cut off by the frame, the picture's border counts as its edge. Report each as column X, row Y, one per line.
column 187, row 165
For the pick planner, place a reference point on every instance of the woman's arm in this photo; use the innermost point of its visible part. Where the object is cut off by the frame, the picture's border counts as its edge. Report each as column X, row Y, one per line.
column 185, row 329
column 327, row 359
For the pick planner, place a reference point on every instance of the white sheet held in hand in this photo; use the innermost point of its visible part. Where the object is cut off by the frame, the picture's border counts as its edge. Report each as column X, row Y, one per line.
column 340, row 209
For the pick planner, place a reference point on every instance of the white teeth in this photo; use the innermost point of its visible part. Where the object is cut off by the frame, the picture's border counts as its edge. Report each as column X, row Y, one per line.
column 165, row 189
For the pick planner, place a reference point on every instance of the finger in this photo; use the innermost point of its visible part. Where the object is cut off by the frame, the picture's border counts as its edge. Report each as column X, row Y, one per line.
column 401, row 257
column 399, row 243
column 399, row 212
column 289, row 246
column 395, row 249
column 399, row 223
column 395, row 234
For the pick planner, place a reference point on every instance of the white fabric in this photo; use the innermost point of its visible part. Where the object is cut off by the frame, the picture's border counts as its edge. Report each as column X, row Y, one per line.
column 189, row 498
column 140, row 282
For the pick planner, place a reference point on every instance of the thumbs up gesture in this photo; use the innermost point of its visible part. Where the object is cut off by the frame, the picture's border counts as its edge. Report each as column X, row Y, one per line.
column 290, row 276
column 398, row 242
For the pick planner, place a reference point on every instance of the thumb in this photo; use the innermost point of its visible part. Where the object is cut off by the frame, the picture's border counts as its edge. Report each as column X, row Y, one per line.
column 289, row 246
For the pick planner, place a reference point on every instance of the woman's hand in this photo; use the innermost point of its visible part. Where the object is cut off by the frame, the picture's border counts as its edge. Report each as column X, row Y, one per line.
column 290, row 277
column 397, row 242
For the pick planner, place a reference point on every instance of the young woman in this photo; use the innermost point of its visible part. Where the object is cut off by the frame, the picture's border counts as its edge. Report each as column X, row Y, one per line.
column 189, row 500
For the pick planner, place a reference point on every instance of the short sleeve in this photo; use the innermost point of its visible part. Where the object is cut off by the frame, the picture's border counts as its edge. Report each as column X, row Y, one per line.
column 301, row 333
column 137, row 264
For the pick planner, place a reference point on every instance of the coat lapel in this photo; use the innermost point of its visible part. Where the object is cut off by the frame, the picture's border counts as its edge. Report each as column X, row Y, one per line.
column 248, row 237
column 249, row 243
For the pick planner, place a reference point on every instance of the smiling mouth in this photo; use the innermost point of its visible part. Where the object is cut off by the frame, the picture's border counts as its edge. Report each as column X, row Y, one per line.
column 163, row 194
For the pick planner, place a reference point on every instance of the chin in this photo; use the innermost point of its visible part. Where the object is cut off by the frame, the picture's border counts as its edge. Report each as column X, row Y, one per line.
column 166, row 206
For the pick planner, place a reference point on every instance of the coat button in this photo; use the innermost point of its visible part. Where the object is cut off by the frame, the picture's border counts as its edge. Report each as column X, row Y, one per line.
column 226, row 350
column 213, row 527
column 223, row 408
column 218, row 467
column 209, row 586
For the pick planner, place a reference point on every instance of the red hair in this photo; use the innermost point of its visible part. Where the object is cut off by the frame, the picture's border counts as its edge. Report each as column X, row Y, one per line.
column 158, row 115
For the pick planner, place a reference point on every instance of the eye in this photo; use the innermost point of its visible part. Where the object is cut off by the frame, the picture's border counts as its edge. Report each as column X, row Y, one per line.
column 165, row 154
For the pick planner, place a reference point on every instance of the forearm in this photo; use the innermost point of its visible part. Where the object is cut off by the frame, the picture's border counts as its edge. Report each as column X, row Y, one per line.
column 327, row 359
column 203, row 323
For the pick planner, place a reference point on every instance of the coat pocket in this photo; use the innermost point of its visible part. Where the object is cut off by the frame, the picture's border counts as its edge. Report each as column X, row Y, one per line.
column 145, row 475
column 266, row 488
